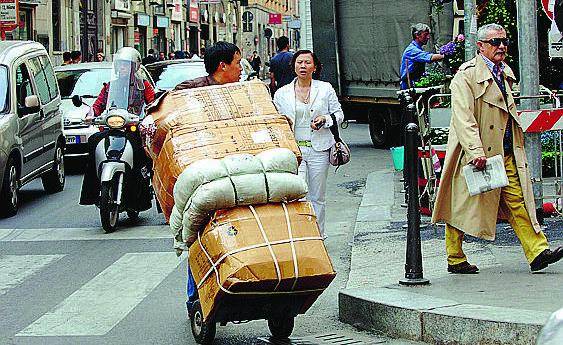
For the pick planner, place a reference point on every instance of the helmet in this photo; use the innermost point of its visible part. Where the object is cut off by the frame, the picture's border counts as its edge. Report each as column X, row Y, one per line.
column 128, row 54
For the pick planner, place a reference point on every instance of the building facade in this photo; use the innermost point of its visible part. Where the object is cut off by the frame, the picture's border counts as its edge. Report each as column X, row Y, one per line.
column 163, row 25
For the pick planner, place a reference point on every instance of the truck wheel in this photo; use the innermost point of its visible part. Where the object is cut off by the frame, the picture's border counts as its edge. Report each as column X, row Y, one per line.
column 109, row 209
column 380, row 127
column 9, row 192
column 281, row 327
column 203, row 332
column 54, row 180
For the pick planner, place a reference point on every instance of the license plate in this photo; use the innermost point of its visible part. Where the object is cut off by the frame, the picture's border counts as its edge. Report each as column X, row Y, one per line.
column 73, row 139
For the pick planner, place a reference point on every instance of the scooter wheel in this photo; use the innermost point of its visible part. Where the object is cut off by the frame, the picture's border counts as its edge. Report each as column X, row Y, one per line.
column 203, row 331
column 281, row 327
column 109, row 209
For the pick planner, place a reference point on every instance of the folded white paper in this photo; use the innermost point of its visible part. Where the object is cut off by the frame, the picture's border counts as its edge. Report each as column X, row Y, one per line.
column 492, row 177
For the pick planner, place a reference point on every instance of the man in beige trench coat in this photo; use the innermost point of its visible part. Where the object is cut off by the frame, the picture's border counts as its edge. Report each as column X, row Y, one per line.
column 484, row 124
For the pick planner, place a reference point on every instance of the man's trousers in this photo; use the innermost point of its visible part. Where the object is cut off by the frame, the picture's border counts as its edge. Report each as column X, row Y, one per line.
column 512, row 204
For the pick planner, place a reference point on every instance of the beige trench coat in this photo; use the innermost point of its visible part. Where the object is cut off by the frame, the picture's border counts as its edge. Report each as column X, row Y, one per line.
column 479, row 117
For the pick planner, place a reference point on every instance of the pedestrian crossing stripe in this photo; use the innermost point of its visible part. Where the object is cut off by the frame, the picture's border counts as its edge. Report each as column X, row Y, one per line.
column 77, row 234
column 99, row 305
column 14, row 269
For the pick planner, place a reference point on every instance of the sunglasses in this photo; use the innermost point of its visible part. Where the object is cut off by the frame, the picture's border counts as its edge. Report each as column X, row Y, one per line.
column 497, row 41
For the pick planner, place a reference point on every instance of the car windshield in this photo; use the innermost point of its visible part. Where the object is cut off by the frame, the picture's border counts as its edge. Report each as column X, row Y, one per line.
column 85, row 83
column 3, row 88
column 167, row 77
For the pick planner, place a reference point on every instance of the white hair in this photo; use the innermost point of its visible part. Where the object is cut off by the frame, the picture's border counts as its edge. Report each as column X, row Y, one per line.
column 484, row 31
column 419, row 28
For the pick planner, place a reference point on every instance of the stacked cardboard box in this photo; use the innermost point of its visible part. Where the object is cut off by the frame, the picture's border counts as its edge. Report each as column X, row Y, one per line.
column 260, row 252
column 212, row 122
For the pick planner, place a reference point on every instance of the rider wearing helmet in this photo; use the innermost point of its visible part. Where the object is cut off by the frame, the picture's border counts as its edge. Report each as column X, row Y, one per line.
column 126, row 90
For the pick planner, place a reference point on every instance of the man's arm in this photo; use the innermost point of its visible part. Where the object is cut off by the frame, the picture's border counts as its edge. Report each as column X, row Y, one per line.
column 100, row 104
column 437, row 57
column 464, row 122
column 272, row 83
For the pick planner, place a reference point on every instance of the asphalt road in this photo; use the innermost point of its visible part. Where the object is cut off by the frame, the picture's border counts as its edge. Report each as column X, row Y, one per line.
column 63, row 281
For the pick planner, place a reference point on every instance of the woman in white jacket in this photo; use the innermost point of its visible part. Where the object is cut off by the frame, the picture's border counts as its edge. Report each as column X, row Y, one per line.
column 308, row 103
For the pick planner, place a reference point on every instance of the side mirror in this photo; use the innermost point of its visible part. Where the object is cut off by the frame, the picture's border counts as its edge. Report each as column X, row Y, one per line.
column 77, row 101
column 32, row 104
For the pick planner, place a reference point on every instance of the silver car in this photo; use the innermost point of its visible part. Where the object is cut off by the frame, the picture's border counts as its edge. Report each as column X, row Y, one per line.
column 31, row 139
column 85, row 80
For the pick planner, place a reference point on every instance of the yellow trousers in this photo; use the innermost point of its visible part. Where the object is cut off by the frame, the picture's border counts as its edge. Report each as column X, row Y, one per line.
column 512, row 204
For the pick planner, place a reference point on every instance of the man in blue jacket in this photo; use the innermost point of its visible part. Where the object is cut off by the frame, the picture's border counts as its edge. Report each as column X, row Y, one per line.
column 414, row 58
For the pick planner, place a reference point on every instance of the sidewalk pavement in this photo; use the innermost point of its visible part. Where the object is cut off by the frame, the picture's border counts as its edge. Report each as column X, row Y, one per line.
column 504, row 304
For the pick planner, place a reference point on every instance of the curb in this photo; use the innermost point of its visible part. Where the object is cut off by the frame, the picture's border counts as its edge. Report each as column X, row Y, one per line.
column 418, row 317
column 402, row 313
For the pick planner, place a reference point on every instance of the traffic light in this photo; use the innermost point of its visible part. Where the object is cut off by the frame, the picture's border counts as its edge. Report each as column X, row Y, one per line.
column 558, row 14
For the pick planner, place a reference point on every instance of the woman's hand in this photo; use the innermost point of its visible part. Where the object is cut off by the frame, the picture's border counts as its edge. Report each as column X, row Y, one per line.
column 318, row 122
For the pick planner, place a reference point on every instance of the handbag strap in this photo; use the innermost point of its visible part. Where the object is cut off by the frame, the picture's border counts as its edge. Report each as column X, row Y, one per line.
column 334, row 129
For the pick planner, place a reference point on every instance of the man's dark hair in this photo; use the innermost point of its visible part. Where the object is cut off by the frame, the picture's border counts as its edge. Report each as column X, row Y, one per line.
column 66, row 56
column 255, row 52
column 75, row 54
column 217, row 53
column 151, row 51
column 282, row 42
column 316, row 62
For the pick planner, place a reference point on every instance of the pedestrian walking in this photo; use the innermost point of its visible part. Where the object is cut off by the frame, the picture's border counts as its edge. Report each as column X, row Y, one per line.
column 67, row 59
column 309, row 104
column 414, row 60
column 76, row 56
column 256, row 62
column 281, row 71
column 150, row 58
column 484, row 124
column 100, row 57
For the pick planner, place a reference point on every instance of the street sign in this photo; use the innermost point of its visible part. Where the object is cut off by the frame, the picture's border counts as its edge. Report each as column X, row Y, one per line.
column 547, row 6
column 275, row 18
column 287, row 18
column 555, row 41
column 8, row 15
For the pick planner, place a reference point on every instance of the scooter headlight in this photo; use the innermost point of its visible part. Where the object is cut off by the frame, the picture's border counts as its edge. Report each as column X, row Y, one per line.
column 115, row 121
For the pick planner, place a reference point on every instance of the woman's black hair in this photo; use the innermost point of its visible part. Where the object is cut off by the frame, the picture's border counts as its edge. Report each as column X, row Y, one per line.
column 217, row 53
column 316, row 62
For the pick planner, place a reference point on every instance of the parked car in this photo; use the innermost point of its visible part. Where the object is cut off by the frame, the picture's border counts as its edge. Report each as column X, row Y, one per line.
column 85, row 80
column 169, row 73
column 31, row 139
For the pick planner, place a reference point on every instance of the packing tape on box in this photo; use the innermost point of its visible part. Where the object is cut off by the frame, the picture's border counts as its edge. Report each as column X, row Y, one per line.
column 268, row 244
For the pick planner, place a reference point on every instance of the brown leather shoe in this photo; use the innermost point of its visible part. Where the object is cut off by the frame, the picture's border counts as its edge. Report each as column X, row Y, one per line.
column 463, row 268
column 547, row 257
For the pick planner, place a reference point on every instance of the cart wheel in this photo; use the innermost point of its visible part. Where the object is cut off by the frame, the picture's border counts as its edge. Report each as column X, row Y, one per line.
column 281, row 328
column 203, row 332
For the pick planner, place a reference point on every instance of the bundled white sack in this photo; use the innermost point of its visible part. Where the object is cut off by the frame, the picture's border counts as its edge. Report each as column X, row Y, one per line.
column 213, row 184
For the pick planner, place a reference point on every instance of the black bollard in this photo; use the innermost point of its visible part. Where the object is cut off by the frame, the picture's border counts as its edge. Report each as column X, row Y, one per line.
column 410, row 115
column 413, row 265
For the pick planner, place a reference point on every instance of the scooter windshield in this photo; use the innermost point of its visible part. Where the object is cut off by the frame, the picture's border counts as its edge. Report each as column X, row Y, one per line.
column 124, row 87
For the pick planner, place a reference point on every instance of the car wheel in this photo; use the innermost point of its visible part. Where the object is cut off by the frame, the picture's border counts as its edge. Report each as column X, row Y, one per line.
column 379, row 128
column 9, row 192
column 54, row 180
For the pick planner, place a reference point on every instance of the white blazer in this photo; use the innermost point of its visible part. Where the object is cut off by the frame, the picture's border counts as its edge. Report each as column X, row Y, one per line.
column 323, row 101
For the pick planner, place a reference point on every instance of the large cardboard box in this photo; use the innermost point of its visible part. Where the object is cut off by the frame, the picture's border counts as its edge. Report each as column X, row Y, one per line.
column 212, row 122
column 259, row 252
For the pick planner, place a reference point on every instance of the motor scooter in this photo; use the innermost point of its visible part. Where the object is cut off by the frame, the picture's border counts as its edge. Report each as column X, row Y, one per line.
column 114, row 157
